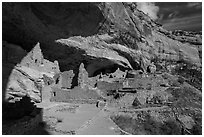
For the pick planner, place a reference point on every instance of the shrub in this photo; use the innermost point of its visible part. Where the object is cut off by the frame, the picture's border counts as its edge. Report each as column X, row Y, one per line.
column 181, row 80
column 170, row 127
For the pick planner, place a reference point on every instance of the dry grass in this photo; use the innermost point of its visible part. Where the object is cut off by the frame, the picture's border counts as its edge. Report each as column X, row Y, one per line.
column 144, row 124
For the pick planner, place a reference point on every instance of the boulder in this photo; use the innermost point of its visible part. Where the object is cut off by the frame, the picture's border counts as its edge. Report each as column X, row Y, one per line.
column 152, row 68
column 187, row 121
column 100, row 104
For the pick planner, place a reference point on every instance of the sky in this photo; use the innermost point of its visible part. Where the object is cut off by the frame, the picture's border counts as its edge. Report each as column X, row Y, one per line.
column 175, row 15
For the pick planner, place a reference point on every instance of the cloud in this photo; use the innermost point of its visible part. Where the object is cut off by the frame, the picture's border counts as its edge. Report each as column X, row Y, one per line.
column 197, row 5
column 193, row 22
column 173, row 14
column 180, row 15
column 149, row 8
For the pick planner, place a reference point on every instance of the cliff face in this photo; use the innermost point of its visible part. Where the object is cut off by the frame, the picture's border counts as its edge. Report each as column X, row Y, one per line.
column 139, row 32
column 114, row 33
column 46, row 22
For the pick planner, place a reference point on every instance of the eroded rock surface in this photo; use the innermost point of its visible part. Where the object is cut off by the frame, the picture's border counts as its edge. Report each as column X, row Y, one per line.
column 127, row 36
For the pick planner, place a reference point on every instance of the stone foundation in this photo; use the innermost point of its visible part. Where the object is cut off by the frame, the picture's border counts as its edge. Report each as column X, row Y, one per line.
column 77, row 94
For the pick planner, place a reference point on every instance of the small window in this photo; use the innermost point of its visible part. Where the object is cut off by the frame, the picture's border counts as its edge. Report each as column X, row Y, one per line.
column 57, row 81
column 54, row 94
column 140, row 72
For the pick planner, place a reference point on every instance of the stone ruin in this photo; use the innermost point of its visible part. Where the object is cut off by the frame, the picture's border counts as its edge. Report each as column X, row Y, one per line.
column 116, row 76
column 50, row 66
column 62, row 89
column 83, row 79
column 90, row 82
column 151, row 68
column 47, row 80
column 118, row 80
column 119, row 74
column 29, row 76
column 35, row 60
column 63, row 80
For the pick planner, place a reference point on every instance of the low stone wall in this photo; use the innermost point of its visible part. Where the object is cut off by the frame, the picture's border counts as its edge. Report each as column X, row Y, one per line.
column 76, row 95
column 103, row 85
column 59, row 95
column 76, row 101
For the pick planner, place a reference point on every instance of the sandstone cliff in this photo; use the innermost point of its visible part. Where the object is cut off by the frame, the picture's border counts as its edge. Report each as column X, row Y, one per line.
column 126, row 35
column 103, row 36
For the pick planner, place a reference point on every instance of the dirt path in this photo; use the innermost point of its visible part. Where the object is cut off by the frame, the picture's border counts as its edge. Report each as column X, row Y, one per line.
column 82, row 119
column 70, row 117
column 99, row 125
column 139, row 109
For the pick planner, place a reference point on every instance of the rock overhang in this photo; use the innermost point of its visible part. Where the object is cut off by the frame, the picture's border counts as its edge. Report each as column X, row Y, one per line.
column 95, row 55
